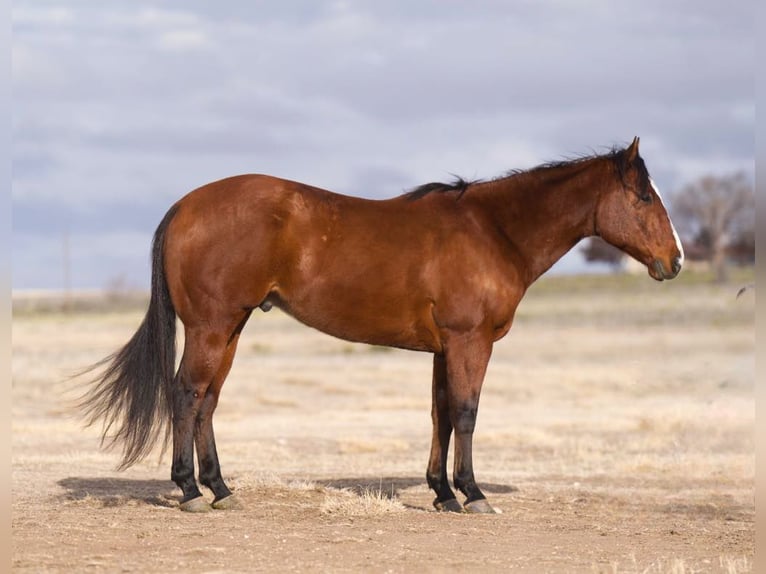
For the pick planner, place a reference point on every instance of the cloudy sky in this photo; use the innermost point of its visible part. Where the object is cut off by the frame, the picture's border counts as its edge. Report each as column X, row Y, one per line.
column 122, row 107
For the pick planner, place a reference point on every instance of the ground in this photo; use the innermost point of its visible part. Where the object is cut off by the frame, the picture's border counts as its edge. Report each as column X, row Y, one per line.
column 614, row 434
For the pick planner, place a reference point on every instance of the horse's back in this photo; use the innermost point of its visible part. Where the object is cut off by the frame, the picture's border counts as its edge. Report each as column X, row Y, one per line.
column 247, row 195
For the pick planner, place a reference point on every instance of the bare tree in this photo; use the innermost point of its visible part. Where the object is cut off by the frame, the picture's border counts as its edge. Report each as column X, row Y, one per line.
column 715, row 213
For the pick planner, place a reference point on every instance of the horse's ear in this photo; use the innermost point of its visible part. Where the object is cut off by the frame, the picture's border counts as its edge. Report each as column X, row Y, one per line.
column 632, row 152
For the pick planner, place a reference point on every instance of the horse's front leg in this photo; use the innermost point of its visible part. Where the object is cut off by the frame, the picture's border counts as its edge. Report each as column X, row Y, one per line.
column 442, row 430
column 467, row 355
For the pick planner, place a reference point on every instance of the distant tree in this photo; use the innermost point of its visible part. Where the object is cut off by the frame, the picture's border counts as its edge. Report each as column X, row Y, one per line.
column 741, row 250
column 596, row 250
column 717, row 214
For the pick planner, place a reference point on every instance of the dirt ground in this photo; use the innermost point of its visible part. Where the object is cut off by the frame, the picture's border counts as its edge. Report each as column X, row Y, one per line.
column 615, row 434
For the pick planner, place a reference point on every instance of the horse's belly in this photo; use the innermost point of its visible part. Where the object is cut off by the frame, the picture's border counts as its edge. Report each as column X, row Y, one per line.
column 349, row 315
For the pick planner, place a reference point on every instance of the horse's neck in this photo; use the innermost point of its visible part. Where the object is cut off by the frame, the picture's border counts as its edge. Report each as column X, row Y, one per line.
column 545, row 212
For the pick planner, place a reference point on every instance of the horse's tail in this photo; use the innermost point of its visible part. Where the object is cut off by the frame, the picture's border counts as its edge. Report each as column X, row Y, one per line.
column 133, row 394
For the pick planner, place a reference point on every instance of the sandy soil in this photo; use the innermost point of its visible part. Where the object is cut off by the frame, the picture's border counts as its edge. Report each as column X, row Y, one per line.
column 615, row 434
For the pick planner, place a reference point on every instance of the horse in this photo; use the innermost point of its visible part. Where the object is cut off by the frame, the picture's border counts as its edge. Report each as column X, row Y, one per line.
column 440, row 269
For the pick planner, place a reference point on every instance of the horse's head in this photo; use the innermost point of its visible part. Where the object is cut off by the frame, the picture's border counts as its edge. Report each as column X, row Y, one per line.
column 632, row 217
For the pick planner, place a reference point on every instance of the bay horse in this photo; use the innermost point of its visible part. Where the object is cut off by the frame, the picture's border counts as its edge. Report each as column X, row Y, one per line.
column 440, row 269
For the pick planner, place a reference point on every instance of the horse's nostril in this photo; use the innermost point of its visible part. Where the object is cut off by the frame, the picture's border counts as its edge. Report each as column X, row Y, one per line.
column 676, row 264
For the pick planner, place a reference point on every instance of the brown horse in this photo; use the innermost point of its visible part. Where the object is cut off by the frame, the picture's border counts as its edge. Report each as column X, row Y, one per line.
column 440, row 269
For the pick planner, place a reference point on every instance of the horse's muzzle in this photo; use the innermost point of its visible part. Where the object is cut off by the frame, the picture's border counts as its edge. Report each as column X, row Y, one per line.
column 657, row 269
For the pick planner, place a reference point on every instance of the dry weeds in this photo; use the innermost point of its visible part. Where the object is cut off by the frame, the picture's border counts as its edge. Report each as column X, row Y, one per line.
column 615, row 432
column 368, row 503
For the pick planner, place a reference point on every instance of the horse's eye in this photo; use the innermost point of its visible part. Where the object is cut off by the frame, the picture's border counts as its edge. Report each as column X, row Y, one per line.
column 646, row 197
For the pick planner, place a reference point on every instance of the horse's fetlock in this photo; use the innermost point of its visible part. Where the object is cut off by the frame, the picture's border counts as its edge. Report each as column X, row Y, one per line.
column 182, row 477
column 464, row 481
column 434, row 481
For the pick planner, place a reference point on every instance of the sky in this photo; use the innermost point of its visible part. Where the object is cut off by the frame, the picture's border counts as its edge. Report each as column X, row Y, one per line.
column 120, row 108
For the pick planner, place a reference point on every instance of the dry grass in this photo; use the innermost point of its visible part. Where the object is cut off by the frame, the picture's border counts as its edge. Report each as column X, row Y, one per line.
column 362, row 501
column 345, row 502
column 355, row 446
column 617, row 411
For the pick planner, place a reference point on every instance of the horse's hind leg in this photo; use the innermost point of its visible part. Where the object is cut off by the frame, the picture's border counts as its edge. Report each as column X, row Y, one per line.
column 204, row 437
column 203, row 357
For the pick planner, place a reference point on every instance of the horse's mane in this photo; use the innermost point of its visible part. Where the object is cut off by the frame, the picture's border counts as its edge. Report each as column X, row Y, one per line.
column 461, row 185
column 458, row 184
column 562, row 163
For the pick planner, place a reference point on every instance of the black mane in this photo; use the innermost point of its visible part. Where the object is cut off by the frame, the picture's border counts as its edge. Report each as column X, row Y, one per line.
column 458, row 184
column 617, row 155
column 612, row 154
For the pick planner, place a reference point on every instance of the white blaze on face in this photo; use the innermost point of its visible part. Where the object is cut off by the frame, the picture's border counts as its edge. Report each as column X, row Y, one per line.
column 675, row 235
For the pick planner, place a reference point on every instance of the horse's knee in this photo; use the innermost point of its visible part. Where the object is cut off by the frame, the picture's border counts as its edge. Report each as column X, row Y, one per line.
column 464, row 417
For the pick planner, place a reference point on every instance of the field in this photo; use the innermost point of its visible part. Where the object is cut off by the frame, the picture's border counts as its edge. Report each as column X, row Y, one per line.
column 615, row 433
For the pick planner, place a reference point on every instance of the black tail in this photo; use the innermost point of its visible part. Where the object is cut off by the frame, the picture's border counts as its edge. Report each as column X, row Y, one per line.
column 133, row 393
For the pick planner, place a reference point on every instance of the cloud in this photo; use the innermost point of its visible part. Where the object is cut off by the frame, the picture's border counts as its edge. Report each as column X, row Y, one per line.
column 121, row 103
column 183, row 40
column 32, row 15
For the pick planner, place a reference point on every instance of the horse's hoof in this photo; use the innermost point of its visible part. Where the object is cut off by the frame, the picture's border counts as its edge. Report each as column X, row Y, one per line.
column 451, row 505
column 480, row 506
column 198, row 504
column 230, row 502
